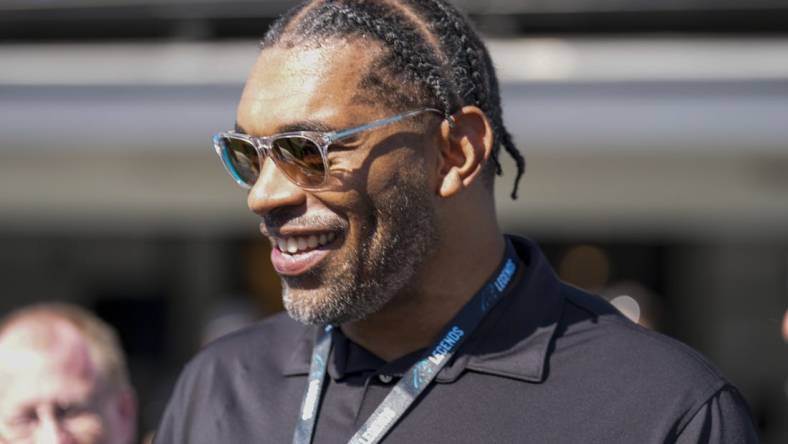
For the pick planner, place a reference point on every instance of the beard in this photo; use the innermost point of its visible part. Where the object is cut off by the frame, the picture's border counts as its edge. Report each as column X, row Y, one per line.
column 397, row 236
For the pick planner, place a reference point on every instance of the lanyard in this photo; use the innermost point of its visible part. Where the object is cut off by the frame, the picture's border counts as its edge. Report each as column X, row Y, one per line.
column 418, row 377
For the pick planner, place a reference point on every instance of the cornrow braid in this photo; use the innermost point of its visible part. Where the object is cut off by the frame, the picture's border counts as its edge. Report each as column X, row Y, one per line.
column 408, row 48
column 474, row 74
column 429, row 42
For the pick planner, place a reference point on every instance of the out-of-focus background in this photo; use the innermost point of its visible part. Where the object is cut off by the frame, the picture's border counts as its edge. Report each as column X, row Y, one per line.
column 656, row 135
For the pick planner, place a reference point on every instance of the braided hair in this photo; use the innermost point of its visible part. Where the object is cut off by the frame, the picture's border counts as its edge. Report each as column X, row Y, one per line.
column 432, row 49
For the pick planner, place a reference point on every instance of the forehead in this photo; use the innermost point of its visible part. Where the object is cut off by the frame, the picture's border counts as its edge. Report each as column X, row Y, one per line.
column 315, row 83
column 40, row 363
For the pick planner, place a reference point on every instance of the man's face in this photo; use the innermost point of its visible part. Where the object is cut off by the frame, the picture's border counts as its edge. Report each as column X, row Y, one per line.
column 52, row 394
column 363, row 239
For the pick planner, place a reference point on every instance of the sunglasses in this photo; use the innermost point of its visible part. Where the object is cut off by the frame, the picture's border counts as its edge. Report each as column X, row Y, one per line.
column 301, row 155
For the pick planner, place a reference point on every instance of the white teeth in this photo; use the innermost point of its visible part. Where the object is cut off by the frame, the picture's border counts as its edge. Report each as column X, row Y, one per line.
column 293, row 245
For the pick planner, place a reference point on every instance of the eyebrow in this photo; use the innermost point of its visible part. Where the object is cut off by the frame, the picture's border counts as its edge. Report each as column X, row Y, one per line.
column 304, row 125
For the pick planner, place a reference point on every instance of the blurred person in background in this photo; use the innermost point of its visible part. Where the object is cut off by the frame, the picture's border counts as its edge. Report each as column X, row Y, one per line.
column 369, row 135
column 64, row 379
column 785, row 326
column 785, row 338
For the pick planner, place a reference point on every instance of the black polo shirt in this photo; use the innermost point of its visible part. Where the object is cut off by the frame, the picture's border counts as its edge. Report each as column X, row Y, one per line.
column 550, row 364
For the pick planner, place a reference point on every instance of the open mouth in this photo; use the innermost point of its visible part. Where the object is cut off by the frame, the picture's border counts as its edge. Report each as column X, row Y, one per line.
column 295, row 255
column 302, row 244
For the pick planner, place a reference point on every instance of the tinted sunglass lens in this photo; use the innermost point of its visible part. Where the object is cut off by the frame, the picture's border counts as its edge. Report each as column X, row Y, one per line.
column 300, row 159
column 241, row 159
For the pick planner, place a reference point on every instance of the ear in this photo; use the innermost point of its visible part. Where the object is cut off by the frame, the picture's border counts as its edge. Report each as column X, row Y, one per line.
column 125, row 406
column 465, row 148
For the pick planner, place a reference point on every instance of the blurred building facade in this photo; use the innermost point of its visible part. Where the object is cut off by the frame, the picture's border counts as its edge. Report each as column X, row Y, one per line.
column 655, row 138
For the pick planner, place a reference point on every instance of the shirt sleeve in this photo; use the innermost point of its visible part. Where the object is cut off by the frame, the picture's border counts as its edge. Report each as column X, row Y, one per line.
column 724, row 418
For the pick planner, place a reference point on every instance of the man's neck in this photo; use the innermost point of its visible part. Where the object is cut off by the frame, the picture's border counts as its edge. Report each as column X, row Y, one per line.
column 414, row 319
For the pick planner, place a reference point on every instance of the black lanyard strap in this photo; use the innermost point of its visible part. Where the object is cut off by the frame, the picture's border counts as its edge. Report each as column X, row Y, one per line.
column 317, row 375
column 419, row 376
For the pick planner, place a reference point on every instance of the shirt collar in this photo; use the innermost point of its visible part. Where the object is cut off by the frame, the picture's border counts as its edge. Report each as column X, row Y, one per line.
column 345, row 358
column 512, row 341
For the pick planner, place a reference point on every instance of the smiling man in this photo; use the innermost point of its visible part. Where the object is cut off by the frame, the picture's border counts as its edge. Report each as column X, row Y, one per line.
column 368, row 137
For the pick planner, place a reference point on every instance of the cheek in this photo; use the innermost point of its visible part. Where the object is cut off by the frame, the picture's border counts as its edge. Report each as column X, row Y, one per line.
column 359, row 183
column 366, row 195
column 88, row 429
column 386, row 173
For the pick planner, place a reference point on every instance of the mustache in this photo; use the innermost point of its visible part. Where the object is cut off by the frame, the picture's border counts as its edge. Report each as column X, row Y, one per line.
column 277, row 220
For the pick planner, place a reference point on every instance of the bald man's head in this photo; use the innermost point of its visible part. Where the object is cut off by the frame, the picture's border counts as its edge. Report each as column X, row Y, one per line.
column 67, row 381
column 39, row 341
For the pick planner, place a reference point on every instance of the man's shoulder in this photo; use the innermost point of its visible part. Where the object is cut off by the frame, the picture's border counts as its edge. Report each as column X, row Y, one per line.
column 640, row 375
column 634, row 357
column 276, row 330
column 225, row 380
column 266, row 344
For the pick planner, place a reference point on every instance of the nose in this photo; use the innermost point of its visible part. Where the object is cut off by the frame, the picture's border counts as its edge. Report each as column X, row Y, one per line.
column 273, row 190
column 51, row 431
